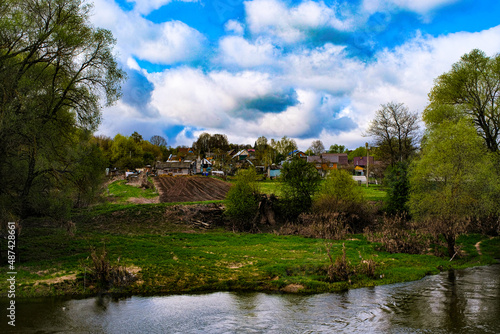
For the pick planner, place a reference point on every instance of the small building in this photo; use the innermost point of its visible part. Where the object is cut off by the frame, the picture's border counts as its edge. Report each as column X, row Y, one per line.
column 273, row 171
column 241, row 155
column 176, row 168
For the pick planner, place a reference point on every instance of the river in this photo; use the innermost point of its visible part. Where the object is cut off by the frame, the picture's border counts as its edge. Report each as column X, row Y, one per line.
column 461, row 301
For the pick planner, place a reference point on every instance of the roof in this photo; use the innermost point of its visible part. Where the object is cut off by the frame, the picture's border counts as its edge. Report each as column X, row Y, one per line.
column 242, row 152
column 361, row 161
column 340, row 158
column 173, row 164
column 314, row 158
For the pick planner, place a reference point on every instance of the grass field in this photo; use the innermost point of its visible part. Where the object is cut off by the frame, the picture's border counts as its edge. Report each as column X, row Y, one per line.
column 120, row 191
column 171, row 257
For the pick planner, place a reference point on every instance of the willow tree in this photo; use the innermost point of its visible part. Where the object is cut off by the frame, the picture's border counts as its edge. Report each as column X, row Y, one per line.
column 56, row 72
column 471, row 89
column 453, row 183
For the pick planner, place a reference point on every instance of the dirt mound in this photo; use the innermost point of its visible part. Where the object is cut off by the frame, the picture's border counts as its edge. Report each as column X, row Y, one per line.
column 190, row 188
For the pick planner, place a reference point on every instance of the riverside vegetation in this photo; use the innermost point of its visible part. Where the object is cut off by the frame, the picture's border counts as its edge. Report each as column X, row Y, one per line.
column 139, row 249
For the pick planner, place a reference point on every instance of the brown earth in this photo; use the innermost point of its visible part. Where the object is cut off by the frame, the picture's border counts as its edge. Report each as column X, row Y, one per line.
column 190, row 188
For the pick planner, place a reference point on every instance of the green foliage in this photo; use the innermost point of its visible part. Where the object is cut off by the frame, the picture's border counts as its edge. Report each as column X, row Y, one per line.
column 469, row 90
column 300, row 181
column 335, row 148
column 359, row 152
column 448, row 192
column 340, row 185
column 398, row 188
column 340, row 194
column 242, row 200
column 55, row 68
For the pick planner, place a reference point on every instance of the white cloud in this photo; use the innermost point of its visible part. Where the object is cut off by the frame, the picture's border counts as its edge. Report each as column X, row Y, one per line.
column 236, row 50
column 211, row 100
column 164, row 43
column 234, row 27
column 145, row 7
column 273, row 17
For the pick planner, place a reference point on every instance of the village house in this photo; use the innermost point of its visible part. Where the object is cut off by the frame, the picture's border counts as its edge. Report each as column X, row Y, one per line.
column 175, row 168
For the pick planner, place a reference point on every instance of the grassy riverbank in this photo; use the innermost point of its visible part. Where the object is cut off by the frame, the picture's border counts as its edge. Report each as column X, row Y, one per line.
column 175, row 257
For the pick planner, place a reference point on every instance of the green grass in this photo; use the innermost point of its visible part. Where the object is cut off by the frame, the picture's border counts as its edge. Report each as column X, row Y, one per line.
column 122, row 191
column 270, row 187
column 374, row 192
column 176, row 258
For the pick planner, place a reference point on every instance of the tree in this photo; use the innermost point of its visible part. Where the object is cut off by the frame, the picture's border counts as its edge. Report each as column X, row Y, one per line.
column 317, row 147
column 396, row 132
column 55, row 68
column 158, row 141
column 202, row 144
column 448, row 192
column 335, row 148
column 285, row 145
column 359, row 152
column 126, row 152
column 470, row 89
column 300, row 181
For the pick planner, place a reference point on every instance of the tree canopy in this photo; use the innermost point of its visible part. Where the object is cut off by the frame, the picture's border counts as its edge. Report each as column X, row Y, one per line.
column 396, row 132
column 470, row 89
column 56, row 71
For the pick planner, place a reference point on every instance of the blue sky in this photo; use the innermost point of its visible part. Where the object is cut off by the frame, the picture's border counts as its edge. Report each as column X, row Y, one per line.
column 305, row 69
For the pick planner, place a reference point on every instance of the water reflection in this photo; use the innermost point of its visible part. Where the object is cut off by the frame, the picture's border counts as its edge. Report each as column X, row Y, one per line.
column 466, row 301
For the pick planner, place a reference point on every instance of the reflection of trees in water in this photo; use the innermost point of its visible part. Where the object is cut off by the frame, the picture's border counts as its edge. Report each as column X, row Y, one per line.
column 452, row 302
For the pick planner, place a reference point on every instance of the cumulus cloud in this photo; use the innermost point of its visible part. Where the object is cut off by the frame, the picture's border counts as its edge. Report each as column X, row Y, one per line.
column 274, row 18
column 236, row 50
column 164, row 43
column 235, row 27
column 145, row 7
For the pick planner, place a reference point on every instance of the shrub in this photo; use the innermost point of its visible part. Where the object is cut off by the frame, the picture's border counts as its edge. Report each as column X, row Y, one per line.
column 340, row 269
column 242, row 200
column 101, row 272
column 341, row 195
column 329, row 225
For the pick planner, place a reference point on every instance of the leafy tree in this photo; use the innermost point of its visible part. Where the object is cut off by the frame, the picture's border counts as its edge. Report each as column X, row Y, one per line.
column 335, row 148
column 261, row 143
column 242, row 200
column 202, row 144
column 55, row 67
column 136, row 137
column 396, row 132
column 284, row 146
column 470, row 89
column 126, row 152
column 448, row 192
column 317, row 147
column 340, row 185
column 300, row 181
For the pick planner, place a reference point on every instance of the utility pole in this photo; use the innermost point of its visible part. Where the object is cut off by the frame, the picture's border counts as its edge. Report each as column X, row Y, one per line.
column 367, row 164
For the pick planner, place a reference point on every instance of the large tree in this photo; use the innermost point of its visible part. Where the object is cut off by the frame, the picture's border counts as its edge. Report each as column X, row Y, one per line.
column 55, row 68
column 470, row 89
column 453, row 181
column 396, row 132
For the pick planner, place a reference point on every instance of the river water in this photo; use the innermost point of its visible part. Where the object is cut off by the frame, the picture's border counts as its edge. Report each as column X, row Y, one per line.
column 462, row 301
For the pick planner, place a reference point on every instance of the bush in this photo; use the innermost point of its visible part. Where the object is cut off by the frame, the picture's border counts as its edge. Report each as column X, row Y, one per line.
column 300, row 181
column 242, row 200
column 330, row 225
column 341, row 195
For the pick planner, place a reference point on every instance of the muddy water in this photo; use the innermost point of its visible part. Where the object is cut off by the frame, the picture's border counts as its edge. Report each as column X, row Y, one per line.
column 464, row 301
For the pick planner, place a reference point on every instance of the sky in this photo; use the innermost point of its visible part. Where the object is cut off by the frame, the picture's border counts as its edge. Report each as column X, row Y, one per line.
column 298, row 68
